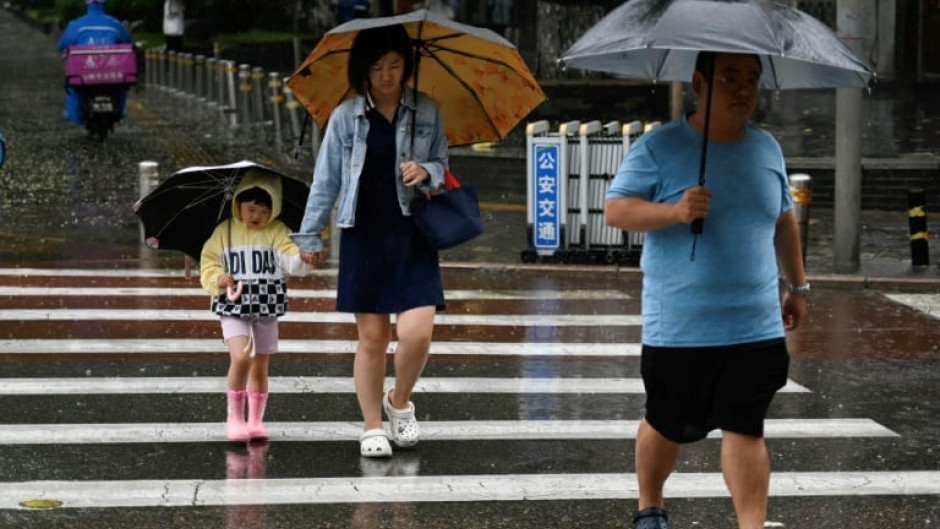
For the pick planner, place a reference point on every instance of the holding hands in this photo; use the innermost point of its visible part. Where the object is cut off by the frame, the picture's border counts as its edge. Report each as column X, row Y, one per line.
column 313, row 258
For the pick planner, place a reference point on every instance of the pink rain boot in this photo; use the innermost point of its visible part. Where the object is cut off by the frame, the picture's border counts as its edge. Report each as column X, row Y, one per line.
column 235, row 427
column 256, row 404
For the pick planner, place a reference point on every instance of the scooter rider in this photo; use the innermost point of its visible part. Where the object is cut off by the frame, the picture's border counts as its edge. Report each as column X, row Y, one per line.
column 95, row 27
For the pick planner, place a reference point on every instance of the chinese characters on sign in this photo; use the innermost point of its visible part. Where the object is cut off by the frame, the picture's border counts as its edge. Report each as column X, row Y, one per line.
column 547, row 229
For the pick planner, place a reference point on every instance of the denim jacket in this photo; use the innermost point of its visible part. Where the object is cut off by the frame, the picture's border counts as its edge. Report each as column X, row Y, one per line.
column 343, row 153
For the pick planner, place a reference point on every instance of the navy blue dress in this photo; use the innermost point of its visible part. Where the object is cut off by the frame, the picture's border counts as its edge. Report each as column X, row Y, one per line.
column 385, row 265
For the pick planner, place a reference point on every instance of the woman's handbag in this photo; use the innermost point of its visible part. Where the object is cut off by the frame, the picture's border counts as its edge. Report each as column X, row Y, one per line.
column 449, row 218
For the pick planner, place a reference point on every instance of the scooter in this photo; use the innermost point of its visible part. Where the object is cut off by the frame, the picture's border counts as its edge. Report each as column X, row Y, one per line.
column 101, row 75
column 101, row 109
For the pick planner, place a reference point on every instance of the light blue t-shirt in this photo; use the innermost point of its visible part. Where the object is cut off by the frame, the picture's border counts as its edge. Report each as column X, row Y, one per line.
column 729, row 294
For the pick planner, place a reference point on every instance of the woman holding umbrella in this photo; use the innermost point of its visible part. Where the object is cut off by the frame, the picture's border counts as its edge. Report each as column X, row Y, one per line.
column 380, row 148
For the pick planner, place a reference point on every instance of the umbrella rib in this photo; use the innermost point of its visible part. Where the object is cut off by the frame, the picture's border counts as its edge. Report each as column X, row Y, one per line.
column 469, row 89
column 193, row 203
column 431, row 49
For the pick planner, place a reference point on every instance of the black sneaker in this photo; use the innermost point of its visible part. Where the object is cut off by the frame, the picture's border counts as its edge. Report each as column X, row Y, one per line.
column 651, row 518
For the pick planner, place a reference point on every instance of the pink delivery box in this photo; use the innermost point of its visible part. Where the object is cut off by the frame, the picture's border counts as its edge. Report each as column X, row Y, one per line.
column 101, row 64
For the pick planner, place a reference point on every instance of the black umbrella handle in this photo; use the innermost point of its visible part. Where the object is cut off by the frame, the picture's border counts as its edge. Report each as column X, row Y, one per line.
column 698, row 225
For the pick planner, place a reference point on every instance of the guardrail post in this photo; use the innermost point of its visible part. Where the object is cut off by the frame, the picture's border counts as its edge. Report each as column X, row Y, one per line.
column 917, row 225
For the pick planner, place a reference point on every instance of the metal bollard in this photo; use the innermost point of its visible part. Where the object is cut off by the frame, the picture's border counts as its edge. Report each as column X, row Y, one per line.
column 199, row 77
column 220, row 93
column 293, row 107
column 148, row 68
column 188, row 74
column 801, row 189
column 244, row 97
column 276, row 98
column 917, row 226
column 148, row 176
column 160, row 72
column 257, row 103
column 231, row 71
column 211, row 82
column 171, row 70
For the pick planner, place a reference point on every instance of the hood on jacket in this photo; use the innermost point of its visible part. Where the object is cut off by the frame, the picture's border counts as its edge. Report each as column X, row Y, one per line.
column 265, row 180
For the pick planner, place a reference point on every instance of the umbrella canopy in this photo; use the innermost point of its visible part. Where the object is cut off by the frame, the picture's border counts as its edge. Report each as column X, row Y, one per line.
column 478, row 78
column 660, row 39
column 181, row 213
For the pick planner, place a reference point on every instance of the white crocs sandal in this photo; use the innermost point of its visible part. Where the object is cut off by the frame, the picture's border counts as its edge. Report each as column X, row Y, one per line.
column 403, row 427
column 374, row 443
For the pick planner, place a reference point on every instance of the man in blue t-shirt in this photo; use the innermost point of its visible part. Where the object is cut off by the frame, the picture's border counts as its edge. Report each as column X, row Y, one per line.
column 714, row 351
column 95, row 27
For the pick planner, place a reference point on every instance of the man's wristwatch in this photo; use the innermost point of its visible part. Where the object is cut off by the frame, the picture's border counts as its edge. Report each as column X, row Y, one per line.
column 798, row 290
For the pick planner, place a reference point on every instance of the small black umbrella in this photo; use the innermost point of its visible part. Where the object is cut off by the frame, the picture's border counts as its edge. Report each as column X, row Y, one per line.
column 181, row 213
column 659, row 40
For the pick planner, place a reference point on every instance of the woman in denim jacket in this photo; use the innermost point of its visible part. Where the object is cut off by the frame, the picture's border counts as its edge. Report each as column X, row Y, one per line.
column 374, row 165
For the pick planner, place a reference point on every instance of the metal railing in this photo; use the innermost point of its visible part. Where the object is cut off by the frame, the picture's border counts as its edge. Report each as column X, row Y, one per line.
column 248, row 101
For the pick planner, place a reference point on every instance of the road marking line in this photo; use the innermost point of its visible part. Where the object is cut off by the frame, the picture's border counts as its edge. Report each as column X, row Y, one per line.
column 312, row 431
column 210, row 345
column 304, row 293
column 501, row 320
column 926, row 303
column 173, row 385
column 413, row 489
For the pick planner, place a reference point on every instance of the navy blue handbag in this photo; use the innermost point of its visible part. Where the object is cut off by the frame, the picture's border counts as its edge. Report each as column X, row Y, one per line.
column 450, row 218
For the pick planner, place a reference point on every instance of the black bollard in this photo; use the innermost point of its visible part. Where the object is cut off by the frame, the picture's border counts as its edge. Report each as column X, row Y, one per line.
column 917, row 226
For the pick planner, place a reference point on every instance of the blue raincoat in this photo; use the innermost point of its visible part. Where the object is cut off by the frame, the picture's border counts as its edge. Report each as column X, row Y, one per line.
column 95, row 27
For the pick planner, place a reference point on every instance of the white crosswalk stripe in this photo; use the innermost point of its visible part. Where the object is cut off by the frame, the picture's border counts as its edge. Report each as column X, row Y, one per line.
column 301, row 384
column 524, row 320
column 190, row 493
column 924, row 302
column 400, row 483
column 166, row 345
column 32, row 434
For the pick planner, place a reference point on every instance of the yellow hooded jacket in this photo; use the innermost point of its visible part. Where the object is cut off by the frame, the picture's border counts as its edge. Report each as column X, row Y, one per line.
column 259, row 258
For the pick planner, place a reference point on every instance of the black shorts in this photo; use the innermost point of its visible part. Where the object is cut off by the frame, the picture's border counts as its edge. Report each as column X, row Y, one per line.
column 691, row 391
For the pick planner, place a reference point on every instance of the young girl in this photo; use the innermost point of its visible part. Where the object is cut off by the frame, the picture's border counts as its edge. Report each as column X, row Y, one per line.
column 242, row 267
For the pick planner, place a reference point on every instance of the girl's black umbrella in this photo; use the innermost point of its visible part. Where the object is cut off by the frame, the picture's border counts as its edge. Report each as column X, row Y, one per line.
column 181, row 213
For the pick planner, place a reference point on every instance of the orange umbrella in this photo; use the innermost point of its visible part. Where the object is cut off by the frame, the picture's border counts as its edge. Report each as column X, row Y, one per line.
column 478, row 78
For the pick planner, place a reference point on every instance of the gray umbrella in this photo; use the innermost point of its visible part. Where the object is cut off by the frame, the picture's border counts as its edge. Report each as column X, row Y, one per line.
column 659, row 40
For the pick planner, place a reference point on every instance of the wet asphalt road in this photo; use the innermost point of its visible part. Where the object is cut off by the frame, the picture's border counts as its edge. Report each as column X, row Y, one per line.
column 864, row 361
